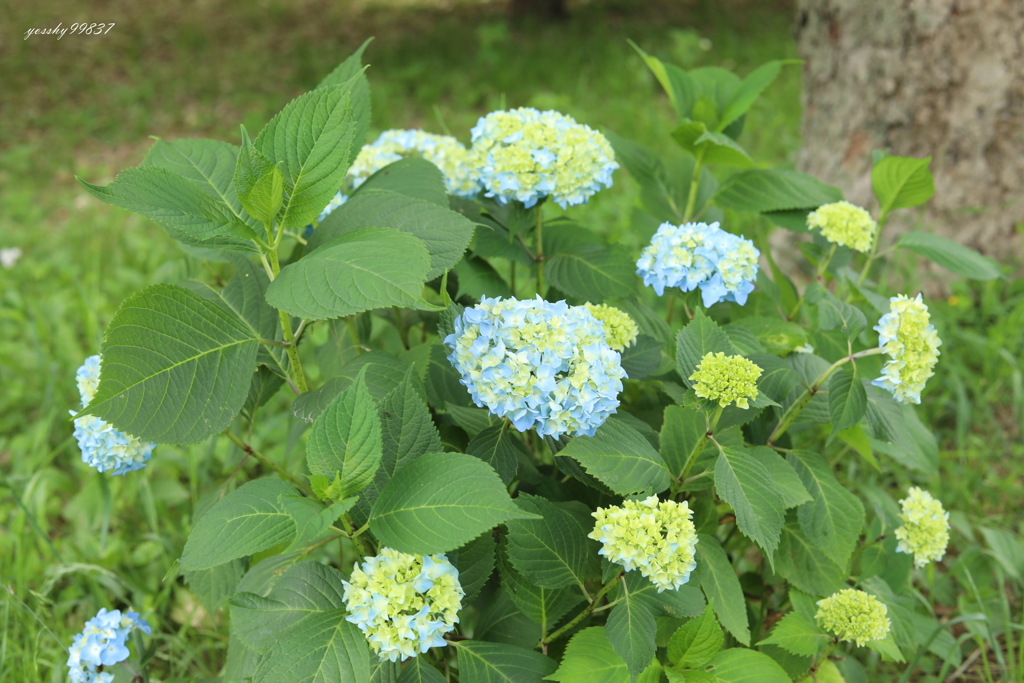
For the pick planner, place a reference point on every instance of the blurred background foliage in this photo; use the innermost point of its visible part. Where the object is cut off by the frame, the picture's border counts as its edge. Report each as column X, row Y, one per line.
column 72, row 540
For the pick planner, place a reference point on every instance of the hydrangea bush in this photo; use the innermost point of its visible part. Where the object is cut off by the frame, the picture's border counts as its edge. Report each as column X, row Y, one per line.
column 531, row 455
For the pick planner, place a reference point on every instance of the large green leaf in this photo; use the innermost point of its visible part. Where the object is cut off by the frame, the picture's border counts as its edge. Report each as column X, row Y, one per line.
column 352, row 68
column 898, row 424
column 214, row 585
column 551, row 551
column 696, row 642
column 412, row 177
column 179, row 205
column 540, row 605
column 784, row 476
column 951, row 255
column 738, row 665
column 802, row 562
column 311, row 141
column 482, row 662
column 590, row 658
column 324, row 648
column 716, row 148
column 246, row 521
column 176, row 367
column 774, row 190
column 621, row 458
column 444, row 233
column 345, row 441
column 902, row 182
column 681, row 88
column 418, row 670
column 496, row 446
column 631, row 625
column 592, row 272
column 210, row 164
column 847, row 399
column 798, row 635
column 438, row 502
column 475, row 562
column 383, row 373
column 359, row 271
column 719, row 581
column 259, row 183
column 751, row 87
column 682, row 429
column 746, row 484
column 303, row 591
column 701, row 336
column 502, row 622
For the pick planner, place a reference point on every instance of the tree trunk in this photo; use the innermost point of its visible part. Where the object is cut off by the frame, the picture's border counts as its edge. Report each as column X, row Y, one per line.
column 546, row 10
column 938, row 78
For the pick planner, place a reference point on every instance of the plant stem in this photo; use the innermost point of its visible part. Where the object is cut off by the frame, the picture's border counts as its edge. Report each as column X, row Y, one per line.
column 874, row 250
column 691, row 199
column 286, row 328
column 582, row 615
column 538, row 246
column 817, row 663
column 699, row 448
column 357, row 540
column 264, row 460
column 819, row 272
column 794, row 410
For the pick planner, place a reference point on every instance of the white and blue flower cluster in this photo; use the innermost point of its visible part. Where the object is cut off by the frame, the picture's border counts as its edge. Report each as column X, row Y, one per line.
column 102, row 643
column 403, row 603
column 103, row 447
column 527, row 155
column 444, row 151
column 540, row 364
column 722, row 265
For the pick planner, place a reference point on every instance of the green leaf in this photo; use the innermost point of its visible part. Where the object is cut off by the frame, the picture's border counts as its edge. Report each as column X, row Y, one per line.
column 176, row 368
column 438, row 502
column 696, row 642
column 552, row 550
column 642, row 358
column 847, row 399
column 174, row 202
column 681, row 89
column 475, row 562
column 352, row 68
column 496, row 446
column 795, row 634
column 481, row 662
column 590, row 658
column 721, row 149
column 785, row 478
column 419, row 671
column 719, row 581
column 478, row 278
column 384, row 672
column 805, row 564
column 592, row 272
column 210, row 164
column 258, row 182
column 761, row 191
column 747, row 486
column 621, row 458
column 383, row 373
column 833, row 312
column 898, row 424
column 444, row 387
column 902, row 182
column 701, row 335
column 444, row 233
column 361, row 270
column 645, row 166
column 502, row 622
column 244, row 522
column 213, row 586
column 313, row 519
column 412, row 177
column 324, row 647
column 631, row 626
column 304, row 590
column 346, row 439
column 951, row 255
column 682, row 430
column 311, row 141
column 540, row 605
column 751, row 87
column 737, row 665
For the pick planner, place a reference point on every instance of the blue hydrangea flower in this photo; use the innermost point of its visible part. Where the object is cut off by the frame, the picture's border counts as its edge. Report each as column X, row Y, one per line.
column 103, row 447
column 403, row 603
column 540, row 364
column 444, row 151
column 102, row 642
column 527, row 155
column 723, row 265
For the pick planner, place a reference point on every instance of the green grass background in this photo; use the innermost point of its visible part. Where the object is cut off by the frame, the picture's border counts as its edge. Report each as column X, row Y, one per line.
column 72, row 541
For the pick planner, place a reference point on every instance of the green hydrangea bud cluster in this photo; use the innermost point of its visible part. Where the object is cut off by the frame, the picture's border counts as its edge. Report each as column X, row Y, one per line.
column 619, row 328
column 907, row 336
column 844, row 224
column 726, row 379
column 854, row 616
column 925, row 530
column 654, row 536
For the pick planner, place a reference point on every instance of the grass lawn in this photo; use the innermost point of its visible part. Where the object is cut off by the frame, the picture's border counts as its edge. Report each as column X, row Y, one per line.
column 72, row 540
